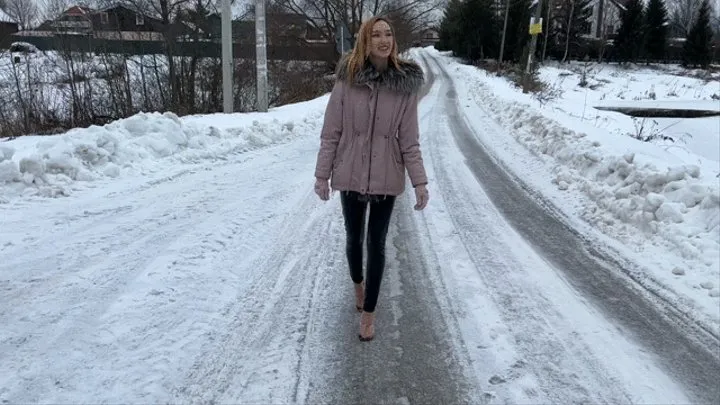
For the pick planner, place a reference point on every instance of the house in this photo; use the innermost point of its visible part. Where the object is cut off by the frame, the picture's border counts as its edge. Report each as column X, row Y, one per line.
column 284, row 29
column 120, row 22
column 74, row 21
column 104, row 23
column 121, row 18
column 429, row 37
column 116, row 22
column 121, row 29
column 8, row 26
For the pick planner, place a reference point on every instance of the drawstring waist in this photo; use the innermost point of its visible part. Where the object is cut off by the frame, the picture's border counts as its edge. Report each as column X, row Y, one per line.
column 372, row 198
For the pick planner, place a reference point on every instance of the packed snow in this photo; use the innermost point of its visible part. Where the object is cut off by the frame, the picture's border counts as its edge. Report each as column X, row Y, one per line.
column 659, row 201
column 49, row 166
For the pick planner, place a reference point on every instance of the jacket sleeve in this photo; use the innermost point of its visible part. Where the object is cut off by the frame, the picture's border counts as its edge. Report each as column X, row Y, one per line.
column 409, row 138
column 331, row 132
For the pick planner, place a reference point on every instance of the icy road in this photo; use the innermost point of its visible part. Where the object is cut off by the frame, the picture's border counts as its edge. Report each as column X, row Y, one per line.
column 227, row 283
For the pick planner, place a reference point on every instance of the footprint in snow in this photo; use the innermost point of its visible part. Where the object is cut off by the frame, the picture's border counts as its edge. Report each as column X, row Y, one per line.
column 496, row 379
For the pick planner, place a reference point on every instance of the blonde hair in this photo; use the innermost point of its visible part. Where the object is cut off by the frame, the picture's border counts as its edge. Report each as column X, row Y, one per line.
column 359, row 54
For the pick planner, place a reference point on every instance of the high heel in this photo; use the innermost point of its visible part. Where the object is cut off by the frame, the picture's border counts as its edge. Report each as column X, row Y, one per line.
column 367, row 326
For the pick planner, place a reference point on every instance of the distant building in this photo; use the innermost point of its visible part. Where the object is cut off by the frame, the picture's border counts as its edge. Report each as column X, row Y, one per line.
column 429, row 37
column 281, row 29
column 117, row 22
column 122, row 29
column 8, row 26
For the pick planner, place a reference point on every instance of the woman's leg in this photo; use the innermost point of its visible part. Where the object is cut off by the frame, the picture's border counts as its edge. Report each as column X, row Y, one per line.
column 379, row 222
column 354, row 214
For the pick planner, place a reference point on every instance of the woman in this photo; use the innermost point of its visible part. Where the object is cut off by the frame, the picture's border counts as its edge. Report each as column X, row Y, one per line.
column 369, row 137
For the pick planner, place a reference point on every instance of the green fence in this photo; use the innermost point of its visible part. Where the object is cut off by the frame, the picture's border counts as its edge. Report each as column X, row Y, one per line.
column 300, row 51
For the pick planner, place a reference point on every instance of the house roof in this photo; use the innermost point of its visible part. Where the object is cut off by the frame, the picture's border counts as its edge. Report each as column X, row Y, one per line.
column 5, row 18
column 78, row 10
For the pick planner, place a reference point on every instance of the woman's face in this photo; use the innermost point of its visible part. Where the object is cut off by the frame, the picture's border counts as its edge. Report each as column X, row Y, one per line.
column 381, row 40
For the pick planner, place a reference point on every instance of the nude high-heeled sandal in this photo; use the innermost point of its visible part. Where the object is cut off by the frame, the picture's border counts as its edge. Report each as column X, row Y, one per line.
column 367, row 326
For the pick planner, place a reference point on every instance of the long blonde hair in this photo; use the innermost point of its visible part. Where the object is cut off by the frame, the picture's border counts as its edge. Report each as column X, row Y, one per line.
column 359, row 54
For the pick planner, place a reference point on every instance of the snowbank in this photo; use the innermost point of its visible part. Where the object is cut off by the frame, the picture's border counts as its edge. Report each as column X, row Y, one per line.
column 651, row 198
column 660, row 198
column 52, row 166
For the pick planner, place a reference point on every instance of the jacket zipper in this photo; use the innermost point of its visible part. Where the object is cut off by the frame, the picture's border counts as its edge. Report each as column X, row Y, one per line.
column 372, row 135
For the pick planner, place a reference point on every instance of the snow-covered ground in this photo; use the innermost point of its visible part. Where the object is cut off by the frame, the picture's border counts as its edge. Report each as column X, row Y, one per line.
column 611, row 85
column 659, row 202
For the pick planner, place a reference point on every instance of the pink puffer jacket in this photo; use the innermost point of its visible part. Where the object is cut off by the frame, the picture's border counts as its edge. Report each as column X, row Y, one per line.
column 370, row 133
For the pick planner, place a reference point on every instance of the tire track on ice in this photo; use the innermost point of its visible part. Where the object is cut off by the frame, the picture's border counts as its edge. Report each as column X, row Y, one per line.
column 236, row 352
column 557, row 355
column 104, row 308
column 670, row 344
column 259, row 357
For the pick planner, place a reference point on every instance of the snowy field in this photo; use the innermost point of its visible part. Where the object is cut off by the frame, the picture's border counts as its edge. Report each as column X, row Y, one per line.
column 664, row 86
column 166, row 259
column 659, row 202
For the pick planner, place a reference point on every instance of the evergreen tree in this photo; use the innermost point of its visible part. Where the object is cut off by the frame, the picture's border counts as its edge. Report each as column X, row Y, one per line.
column 479, row 30
column 656, row 19
column 449, row 27
column 517, row 30
column 699, row 41
column 628, row 43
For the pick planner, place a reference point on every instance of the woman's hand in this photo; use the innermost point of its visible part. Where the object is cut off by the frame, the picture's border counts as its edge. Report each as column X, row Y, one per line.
column 421, row 197
column 322, row 189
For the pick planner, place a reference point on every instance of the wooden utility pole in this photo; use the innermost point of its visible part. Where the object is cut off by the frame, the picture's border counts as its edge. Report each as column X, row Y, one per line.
column 537, row 19
column 227, row 56
column 261, row 56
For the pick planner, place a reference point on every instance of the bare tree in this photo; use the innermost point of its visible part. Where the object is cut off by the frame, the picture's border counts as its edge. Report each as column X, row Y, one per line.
column 408, row 22
column 52, row 9
column 682, row 15
column 167, row 12
column 24, row 12
column 324, row 15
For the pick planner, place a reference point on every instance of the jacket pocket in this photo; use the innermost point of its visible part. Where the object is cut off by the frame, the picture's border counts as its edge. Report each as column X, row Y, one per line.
column 395, row 168
column 395, row 149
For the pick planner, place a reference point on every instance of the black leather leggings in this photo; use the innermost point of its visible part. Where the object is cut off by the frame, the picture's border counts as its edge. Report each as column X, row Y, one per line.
column 354, row 206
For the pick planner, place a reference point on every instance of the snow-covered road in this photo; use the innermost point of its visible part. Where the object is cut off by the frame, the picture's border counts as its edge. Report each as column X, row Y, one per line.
column 227, row 283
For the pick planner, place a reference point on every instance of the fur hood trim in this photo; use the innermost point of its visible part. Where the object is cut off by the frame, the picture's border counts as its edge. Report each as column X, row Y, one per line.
column 408, row 80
